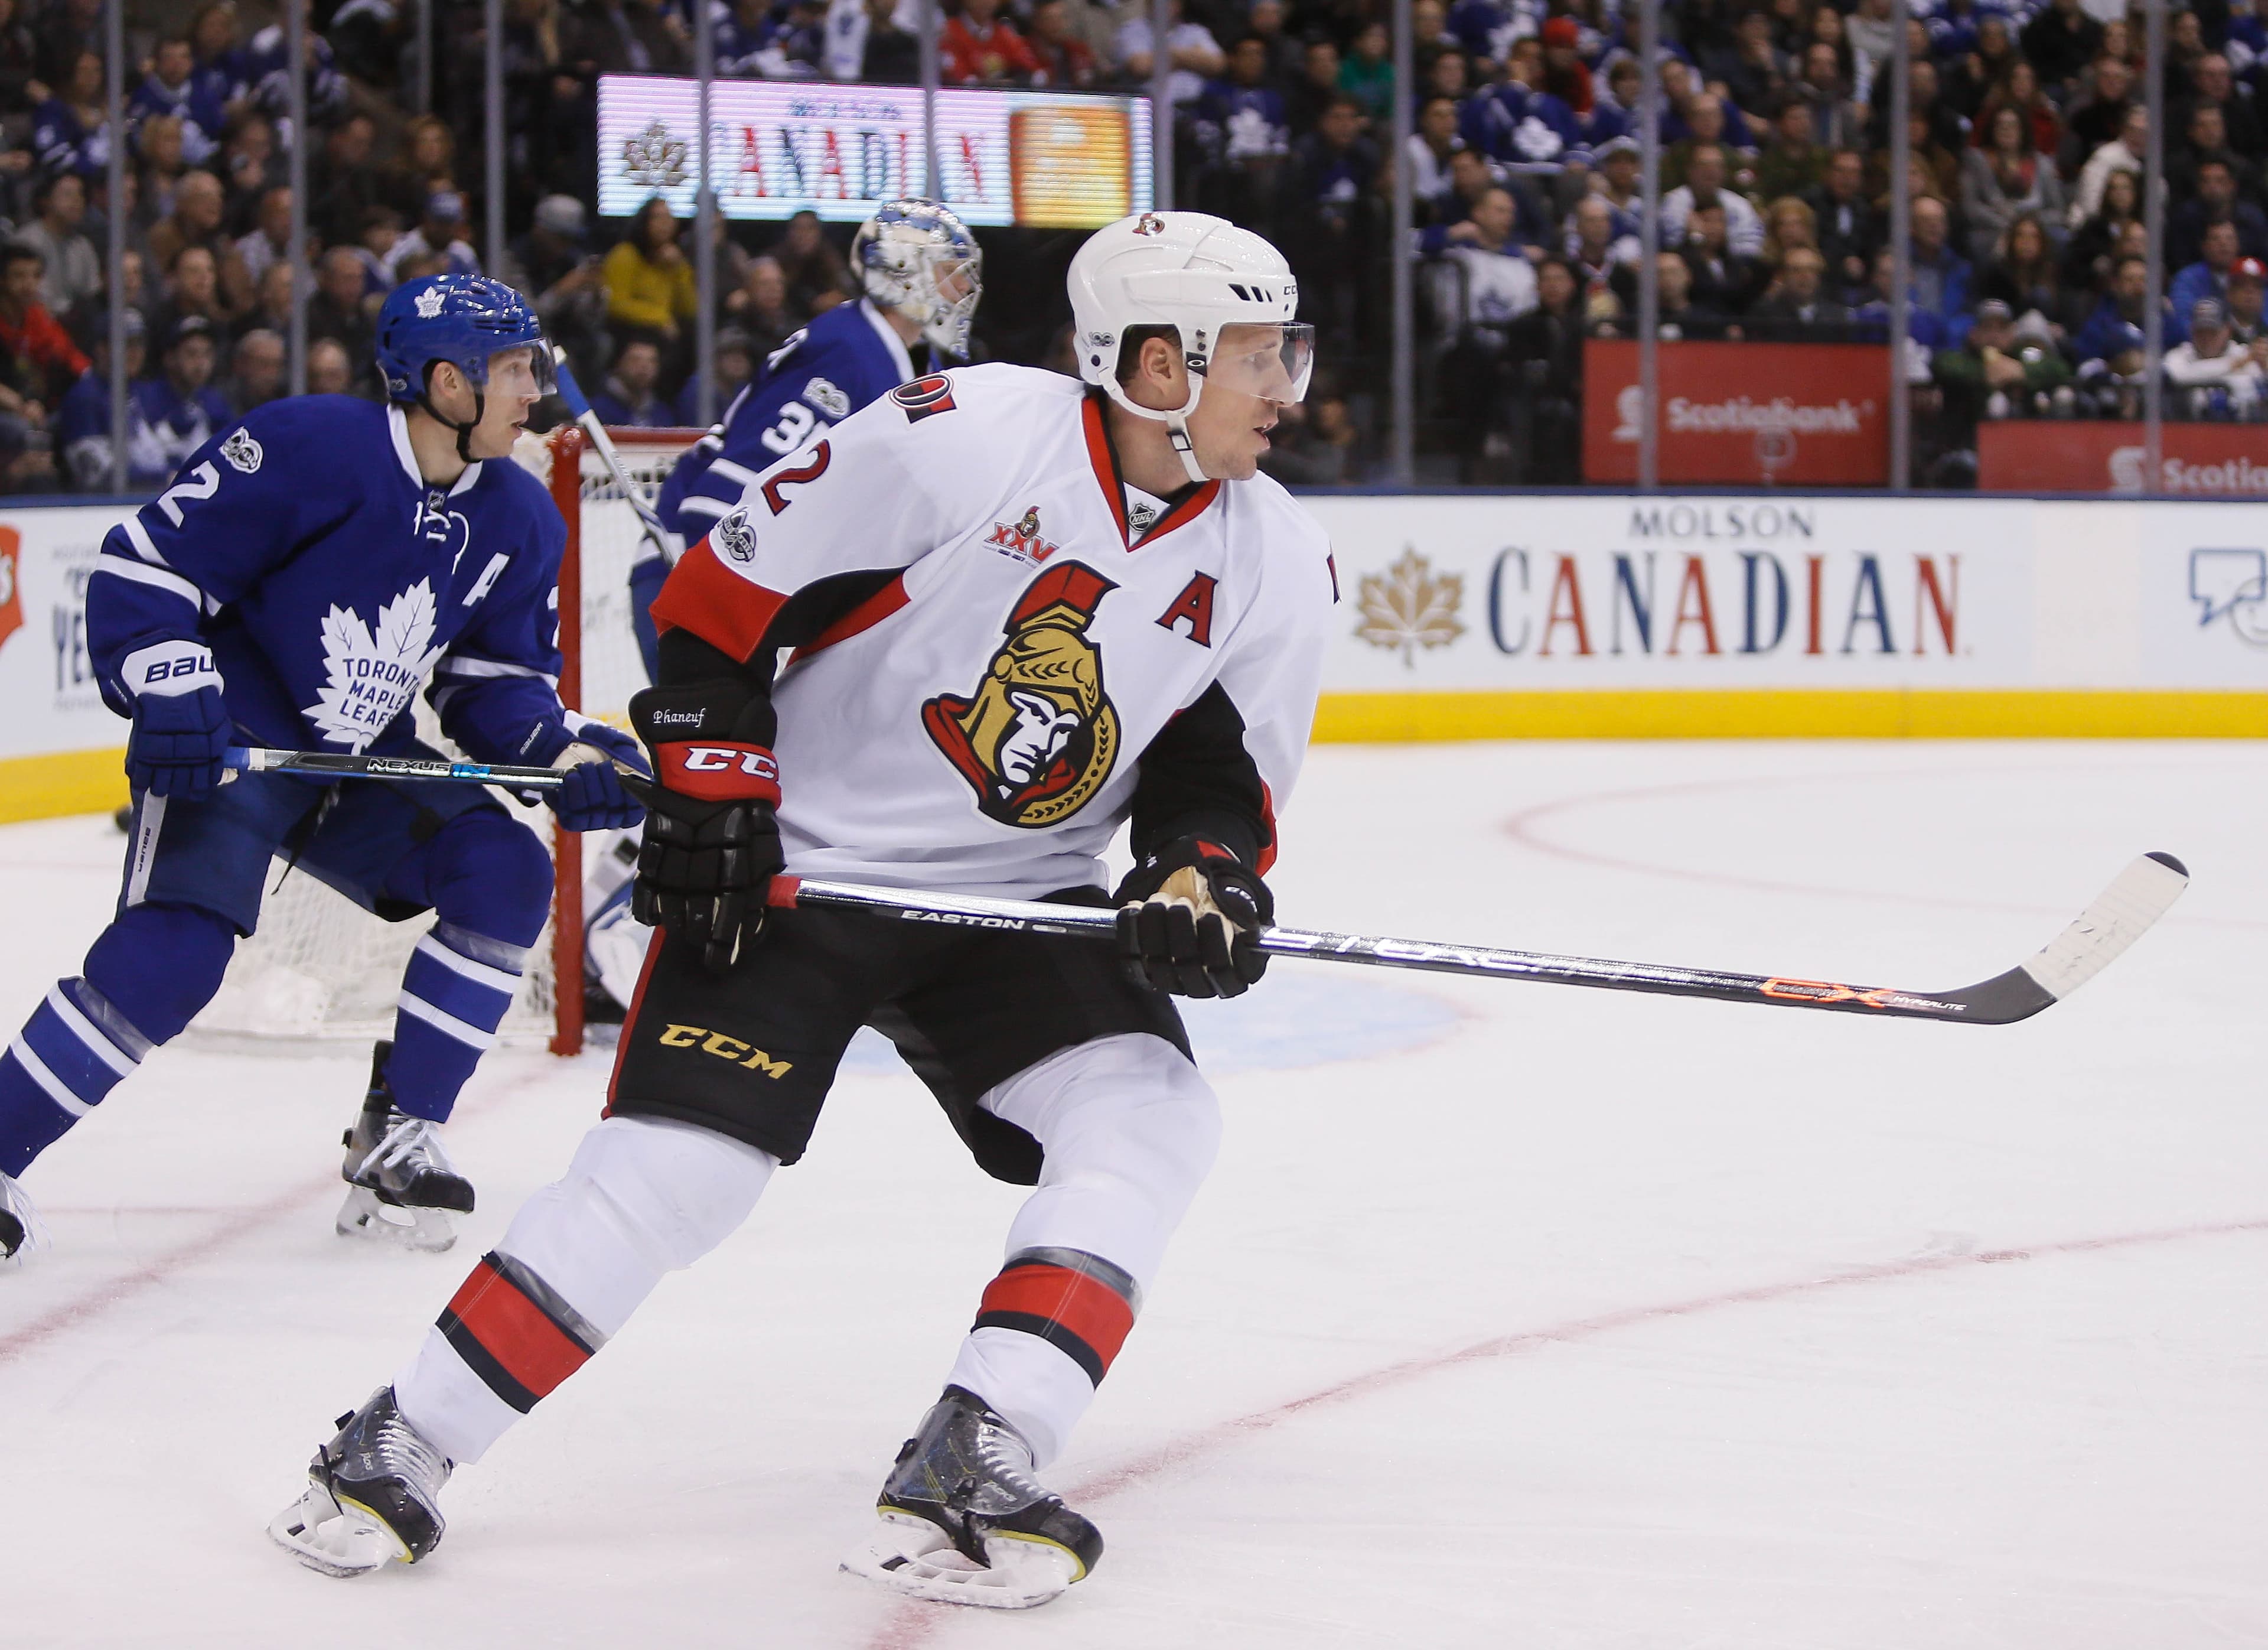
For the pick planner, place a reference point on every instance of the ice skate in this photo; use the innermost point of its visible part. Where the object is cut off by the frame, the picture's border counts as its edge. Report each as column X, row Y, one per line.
column 22, row 1234
column 403, row 1185
column 964, row 1522
column 370, row 1496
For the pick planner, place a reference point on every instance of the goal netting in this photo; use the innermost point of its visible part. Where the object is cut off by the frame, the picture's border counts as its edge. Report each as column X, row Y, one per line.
column 322, row 968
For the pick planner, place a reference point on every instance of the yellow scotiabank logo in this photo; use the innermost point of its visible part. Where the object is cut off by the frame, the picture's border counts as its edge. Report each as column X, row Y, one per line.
column 726, row 1047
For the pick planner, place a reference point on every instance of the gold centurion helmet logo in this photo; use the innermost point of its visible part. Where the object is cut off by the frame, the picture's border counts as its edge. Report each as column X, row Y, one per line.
column 1038, row 737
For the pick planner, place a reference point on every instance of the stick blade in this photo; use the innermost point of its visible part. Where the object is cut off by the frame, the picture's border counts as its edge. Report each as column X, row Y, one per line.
column 2137, row 897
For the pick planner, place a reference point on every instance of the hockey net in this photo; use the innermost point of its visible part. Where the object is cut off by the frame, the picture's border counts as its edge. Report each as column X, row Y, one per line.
column 321, row 968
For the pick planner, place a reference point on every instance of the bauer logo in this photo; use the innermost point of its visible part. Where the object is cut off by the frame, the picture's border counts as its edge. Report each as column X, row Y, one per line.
column 11, row 600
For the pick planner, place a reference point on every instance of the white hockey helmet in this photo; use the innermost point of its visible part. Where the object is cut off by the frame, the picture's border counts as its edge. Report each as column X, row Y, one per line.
column 906, row 257
column 1199, row 275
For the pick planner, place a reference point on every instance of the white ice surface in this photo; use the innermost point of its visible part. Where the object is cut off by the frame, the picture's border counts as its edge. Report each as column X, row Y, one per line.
column 1583, row 1319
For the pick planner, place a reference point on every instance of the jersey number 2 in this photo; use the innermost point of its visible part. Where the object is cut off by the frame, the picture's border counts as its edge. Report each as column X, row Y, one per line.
column 201, row 483
column 775, row 494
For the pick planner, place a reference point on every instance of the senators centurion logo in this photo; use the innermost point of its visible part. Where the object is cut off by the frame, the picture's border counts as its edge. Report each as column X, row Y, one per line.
column 1038, row 737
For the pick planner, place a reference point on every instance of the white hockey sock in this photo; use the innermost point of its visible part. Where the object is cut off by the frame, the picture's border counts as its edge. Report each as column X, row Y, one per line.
column 1129, row 1130
column 642, row 1197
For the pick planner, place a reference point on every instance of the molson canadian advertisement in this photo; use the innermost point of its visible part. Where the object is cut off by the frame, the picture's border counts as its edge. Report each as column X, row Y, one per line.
column 1046, row 158
column 1758, row 615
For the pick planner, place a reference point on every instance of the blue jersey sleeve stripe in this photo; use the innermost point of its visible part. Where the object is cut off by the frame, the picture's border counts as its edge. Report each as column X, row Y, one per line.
column 144, row 546
column 739, row 474
column 155, row 577
column 484, row 669
column 695, row 505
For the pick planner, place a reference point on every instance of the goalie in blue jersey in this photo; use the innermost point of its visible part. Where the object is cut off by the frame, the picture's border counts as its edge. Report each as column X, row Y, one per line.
column 306, row 574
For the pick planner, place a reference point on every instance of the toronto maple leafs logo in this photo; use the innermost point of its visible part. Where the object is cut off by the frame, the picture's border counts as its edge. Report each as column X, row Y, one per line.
column 372, row 676
column 1408, row 607
column 242, row 451
column 429, row 302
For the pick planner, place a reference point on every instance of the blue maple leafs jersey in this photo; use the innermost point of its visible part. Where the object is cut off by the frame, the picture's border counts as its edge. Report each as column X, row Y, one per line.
column 844, row 359
column 329, row 579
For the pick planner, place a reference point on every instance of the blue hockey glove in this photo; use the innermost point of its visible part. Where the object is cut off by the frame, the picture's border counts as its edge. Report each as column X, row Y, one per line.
column 592, row 798
column 180, row 732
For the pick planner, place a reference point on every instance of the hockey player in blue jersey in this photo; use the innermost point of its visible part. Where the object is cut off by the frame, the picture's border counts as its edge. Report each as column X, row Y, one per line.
column 304, row 575
column 921, row 272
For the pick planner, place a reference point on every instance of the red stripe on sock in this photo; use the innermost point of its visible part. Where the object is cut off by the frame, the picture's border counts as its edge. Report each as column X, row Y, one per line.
column 515, row 1331
column 1088, row 1307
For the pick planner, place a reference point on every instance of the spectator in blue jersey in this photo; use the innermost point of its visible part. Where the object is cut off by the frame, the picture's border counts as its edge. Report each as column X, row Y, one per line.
column 2208, row 277
column 180, row 405
column 439, row 234
column 83, row 422
column 317, row 566
column 740, row 35
column 1940, row 275
column 171, row 88
column 70, row 130
column 1515, row 125
column 1241, row 125
column 632, row 397
column 219, row 72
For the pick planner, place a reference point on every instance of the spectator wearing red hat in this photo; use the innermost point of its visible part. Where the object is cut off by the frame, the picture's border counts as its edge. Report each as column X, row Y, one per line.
column 2248, row 282
column 1564, row 76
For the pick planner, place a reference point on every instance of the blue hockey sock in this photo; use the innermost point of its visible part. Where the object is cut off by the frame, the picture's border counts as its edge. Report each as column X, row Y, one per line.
column 146, row 975
column 453, row 997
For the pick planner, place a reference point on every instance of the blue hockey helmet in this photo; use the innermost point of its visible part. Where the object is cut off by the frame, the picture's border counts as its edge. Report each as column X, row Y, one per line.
column 460, row 319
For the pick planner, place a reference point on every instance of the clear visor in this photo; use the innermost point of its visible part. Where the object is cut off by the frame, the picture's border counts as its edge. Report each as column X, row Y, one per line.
column 1267, row 361
column 524, row 371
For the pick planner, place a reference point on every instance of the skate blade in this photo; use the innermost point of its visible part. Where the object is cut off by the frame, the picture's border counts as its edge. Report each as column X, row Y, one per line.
column 342, row 1540
column 365, row 1215
column 914, row 1557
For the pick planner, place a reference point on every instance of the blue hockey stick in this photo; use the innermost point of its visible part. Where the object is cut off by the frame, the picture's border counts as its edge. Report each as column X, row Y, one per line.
column 323, row 764
column 578, row 406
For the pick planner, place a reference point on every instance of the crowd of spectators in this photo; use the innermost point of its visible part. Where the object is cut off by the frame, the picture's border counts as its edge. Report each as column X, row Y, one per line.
column 2029, row 136
column 2029, row 133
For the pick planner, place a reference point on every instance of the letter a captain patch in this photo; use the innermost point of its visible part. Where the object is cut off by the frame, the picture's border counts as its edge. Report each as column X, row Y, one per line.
column 1195, row 604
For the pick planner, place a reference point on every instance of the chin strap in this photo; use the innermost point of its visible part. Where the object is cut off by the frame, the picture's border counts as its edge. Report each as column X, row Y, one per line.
column 480, row 410
column 1176, row 423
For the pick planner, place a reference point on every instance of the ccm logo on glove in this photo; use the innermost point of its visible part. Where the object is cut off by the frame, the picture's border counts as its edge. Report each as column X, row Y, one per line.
column 720, row 773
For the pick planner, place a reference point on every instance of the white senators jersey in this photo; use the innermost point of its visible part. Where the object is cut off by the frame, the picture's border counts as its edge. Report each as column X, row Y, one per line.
column 984, row 649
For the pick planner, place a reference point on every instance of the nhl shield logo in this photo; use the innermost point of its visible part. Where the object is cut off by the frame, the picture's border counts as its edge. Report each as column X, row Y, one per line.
column 1038, row 736
column 735, row 537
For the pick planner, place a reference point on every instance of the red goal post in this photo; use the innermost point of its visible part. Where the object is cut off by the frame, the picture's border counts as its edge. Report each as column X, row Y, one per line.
column 599, row 668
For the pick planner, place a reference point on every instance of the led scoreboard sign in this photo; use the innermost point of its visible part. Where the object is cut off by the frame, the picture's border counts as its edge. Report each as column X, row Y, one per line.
column 1050, row 159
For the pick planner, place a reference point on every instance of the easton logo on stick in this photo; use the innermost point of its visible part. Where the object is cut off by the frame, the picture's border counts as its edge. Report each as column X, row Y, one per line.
column 1038, row 736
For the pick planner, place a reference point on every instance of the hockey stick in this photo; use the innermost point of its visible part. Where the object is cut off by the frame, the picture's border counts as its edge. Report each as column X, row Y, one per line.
column 578, row 406
column 2135, row 899
column 2138, row 897
column 324, row 764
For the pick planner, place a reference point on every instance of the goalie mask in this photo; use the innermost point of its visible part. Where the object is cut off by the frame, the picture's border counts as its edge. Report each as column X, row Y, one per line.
column 917, row 258
column 1227, row 293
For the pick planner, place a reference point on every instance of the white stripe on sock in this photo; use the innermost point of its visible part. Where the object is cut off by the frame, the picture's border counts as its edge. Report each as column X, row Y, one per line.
column 57, row 1091
column 457, row 962
column 463, row 1030
column 85, row 1030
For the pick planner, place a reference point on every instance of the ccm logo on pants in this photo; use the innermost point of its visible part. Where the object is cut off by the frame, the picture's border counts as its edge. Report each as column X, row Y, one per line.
column 725, row 1048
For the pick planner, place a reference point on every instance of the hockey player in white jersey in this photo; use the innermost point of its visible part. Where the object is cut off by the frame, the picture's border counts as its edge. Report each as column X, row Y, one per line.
column 1020, row 612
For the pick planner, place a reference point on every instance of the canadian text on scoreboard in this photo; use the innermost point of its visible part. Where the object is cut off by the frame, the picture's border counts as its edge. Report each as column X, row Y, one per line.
column 1047, row 159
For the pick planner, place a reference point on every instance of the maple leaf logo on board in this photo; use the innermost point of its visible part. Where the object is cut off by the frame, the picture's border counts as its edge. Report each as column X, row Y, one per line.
column 655, row 159
column 373, row 674
column 1408, row 607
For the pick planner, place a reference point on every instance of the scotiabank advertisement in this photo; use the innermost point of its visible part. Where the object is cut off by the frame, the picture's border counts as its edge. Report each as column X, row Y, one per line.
column 1739, row 413
column 2082, row 456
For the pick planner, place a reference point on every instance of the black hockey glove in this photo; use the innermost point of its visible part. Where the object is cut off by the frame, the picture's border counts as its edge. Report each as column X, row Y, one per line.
column 711, row 844
column 1188, row 916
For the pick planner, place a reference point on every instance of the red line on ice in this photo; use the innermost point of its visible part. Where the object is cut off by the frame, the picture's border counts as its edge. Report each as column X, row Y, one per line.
column 911, row 1624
